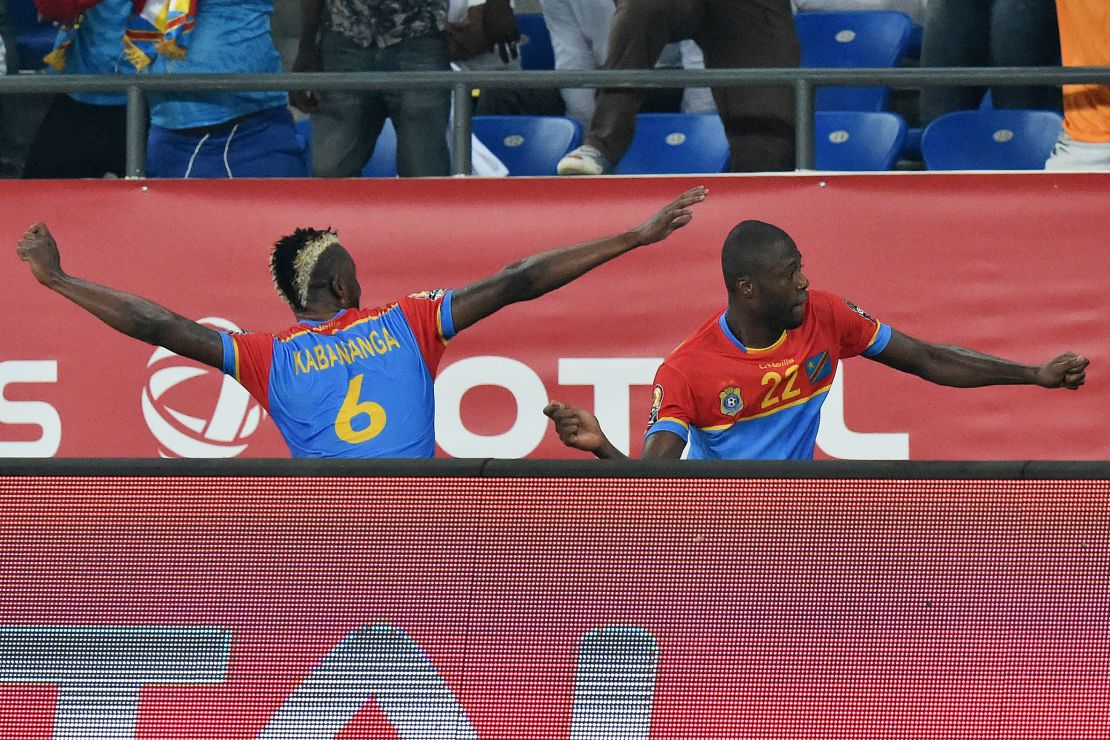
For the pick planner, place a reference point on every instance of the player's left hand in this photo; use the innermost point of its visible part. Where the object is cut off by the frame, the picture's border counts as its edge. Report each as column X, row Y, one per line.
column 1069, row 370
column 38, row 249
column 673, row 216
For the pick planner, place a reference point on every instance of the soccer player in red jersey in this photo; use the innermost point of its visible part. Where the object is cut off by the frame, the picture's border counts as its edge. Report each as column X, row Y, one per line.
column 345, row 381
column 749, row 383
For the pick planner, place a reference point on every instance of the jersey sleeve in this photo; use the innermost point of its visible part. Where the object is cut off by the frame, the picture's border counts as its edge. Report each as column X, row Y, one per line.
column 247, row 358
column 429, row 317
column 672, row 404
column 858, row 332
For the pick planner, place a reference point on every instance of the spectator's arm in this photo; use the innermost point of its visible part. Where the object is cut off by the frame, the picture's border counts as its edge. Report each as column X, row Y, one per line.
column 308, row 53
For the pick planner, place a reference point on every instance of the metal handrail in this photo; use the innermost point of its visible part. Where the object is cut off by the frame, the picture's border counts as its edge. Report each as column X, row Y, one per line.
column 804, row 80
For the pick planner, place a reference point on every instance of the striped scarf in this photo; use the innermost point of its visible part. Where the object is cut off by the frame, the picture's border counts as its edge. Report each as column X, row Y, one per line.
column 154, row 27
column 158, row 27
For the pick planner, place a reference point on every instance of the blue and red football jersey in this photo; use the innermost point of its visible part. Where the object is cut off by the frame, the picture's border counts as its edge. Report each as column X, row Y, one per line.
column 734, row 402
column 358, row 385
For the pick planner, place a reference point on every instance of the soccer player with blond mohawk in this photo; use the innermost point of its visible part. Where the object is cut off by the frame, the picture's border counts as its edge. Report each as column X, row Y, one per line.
column 345, row 381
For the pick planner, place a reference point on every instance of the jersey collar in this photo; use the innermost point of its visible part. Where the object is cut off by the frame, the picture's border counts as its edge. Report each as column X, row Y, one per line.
column 736, row 340
column 308, row 322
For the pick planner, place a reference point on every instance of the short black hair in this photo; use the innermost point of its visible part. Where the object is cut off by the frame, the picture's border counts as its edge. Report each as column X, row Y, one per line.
column 283, row 260
column 746, row 247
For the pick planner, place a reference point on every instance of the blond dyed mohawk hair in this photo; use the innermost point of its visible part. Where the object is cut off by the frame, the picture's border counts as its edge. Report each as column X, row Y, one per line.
column 293, row 259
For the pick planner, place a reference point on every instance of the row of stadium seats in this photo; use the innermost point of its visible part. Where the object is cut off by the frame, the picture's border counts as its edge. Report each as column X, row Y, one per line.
column 678, row 143
column 861, row 39
column 852, row 131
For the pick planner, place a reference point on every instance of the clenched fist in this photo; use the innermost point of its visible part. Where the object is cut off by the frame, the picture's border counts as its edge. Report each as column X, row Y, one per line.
column 38, row 249
column 1069, row 370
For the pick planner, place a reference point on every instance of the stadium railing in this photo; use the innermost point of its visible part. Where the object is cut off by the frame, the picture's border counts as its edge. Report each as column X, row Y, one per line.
column 803, row 80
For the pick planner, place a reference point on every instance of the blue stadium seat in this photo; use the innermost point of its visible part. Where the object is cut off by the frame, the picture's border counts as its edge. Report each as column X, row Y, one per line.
column 676, row 143
column 303, row 128
column 528, row 145
column 535, row 42
column 383, row 162
column 33, row 39
column 857, row 140
column 868, row 38
column 991, row 140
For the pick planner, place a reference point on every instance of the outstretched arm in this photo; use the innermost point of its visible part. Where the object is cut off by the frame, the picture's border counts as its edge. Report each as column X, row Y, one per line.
column 544, row 272
column 580, row 429
column 964, row 368
column 136, row 317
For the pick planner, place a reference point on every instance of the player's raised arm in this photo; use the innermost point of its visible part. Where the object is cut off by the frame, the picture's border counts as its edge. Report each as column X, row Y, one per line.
column 136, row 317
column 580, row 429
column 542, row 273
column 965, row 368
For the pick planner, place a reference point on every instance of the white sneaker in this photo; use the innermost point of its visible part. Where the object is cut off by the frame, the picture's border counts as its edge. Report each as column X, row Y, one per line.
column 585, row 160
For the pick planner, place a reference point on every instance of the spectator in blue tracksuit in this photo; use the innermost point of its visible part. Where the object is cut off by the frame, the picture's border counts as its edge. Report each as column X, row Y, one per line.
column 224, row 134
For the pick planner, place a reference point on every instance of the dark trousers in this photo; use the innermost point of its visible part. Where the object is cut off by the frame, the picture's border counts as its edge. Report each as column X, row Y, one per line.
column 78, row 140
column 759, row 120
column 346, row 127
column 989, row 33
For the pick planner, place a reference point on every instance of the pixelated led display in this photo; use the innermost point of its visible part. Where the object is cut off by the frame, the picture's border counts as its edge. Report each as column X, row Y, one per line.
column 295, row 608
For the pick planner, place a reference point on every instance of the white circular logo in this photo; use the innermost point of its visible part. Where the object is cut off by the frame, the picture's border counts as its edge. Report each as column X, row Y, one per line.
column 513, row 140
column 846, row 36
column 229, row 418
column 676, row 138
column 1003, row 135
column 839, row 137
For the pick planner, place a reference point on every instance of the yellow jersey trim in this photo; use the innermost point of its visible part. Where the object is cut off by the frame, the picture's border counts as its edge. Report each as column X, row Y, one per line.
column 439, row 325
column 811, row 396
column 680, row 422
column 878, row 326
column 363, row 320
column 235, row 346
column 775, row 345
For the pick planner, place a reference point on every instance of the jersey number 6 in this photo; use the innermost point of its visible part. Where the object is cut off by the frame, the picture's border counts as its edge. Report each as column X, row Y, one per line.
column 352, row 408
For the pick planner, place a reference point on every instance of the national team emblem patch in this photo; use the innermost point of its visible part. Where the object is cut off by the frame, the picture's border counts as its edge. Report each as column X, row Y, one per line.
column 860, row 311
column 731, row 402
column 818, row 367
column 656, row 404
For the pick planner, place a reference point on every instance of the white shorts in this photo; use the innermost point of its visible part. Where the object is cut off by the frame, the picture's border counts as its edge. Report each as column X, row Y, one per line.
column 1070, row 154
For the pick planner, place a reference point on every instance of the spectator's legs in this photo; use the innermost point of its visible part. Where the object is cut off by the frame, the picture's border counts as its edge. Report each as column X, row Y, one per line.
column 1070, row 154
column 78, row 140
column 580, row 40
column 759, row 121
column 348, row 122
column 957, row 34
column 1024, row 33
column 261, row 145
column 640, row 30
column 419, row 116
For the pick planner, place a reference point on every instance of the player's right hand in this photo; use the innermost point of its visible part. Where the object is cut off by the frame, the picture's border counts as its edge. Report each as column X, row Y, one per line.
column 576, row 428
column 38, row 249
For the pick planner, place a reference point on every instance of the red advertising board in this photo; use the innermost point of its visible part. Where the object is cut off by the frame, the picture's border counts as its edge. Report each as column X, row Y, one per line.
column 1009, row 264
column 512, row 609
